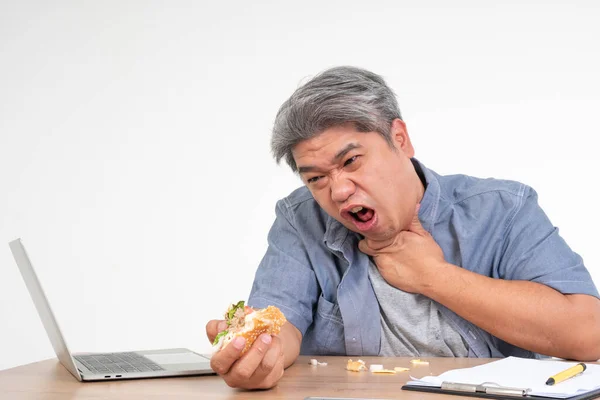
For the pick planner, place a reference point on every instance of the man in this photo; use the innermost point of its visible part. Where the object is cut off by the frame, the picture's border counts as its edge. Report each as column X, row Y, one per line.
column 378, row 255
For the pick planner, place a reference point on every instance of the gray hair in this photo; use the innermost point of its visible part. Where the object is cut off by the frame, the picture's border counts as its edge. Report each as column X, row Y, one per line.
column 336, row 96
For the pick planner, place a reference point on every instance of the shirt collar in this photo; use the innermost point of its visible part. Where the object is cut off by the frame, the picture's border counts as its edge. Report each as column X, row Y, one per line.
column 431, row 199
column 336, row 233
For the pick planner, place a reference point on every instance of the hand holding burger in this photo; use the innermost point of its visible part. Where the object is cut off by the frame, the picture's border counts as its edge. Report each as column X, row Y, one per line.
column 246, row 354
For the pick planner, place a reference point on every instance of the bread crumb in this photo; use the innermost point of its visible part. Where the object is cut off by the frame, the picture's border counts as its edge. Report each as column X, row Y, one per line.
column 356, row 366
column 419, row 362
column 375, row 367
column 401, row 369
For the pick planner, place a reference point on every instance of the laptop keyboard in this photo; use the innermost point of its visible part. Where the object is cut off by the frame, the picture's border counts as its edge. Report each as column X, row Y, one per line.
column 117, row 363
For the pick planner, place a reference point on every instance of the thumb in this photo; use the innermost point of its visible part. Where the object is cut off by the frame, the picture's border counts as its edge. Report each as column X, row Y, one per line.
column 214, row 327
column 415, row 224
column 373, row 247
column 364, row 247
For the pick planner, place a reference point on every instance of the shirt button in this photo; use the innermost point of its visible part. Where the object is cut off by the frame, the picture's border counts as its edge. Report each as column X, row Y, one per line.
column 354, row 339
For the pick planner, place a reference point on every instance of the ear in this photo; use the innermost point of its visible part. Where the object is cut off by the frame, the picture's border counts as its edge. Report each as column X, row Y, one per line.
column 400, row 138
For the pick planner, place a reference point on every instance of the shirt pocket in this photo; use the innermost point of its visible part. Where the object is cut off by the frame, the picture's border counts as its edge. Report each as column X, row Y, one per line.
column 331, row 328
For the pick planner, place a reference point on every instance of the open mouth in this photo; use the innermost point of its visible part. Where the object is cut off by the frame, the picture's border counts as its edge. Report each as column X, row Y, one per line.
column 363, row 218
column 361, row 214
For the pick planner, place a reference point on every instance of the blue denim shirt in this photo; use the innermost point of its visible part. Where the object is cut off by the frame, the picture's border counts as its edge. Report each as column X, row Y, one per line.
column 314, row 272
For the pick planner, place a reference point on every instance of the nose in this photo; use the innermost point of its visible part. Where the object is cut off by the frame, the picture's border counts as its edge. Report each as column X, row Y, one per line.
column 341, row 189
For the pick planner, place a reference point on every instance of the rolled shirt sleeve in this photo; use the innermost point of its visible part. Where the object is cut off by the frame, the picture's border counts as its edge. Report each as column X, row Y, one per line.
column 534, row 251
column 285, row 278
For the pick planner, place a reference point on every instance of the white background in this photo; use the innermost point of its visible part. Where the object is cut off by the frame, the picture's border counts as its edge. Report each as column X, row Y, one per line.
column 134, row 140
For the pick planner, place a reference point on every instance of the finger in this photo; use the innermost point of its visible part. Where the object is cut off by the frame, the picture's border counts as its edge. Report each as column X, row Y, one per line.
column 222, row 361
column 214, row 327
column 269, row 361
column 247, row 365
column 415, row 224
column 274, row 376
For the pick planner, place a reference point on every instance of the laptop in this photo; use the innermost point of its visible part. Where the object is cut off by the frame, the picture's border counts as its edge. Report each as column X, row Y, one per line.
column 106, row 366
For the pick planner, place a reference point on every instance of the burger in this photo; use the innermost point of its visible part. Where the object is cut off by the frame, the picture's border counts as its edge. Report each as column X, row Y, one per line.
column 249, row 323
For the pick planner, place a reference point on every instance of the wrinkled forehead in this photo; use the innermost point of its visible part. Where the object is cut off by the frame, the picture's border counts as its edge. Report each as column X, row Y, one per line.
column 327, row 147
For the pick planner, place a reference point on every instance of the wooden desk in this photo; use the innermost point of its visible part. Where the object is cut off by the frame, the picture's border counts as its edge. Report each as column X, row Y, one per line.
column 49, row 380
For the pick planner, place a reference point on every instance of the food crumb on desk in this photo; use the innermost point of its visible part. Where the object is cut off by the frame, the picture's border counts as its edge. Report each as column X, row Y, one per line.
column 356, row 366
column 401, row 369
column 313, row 361
column 419, row 362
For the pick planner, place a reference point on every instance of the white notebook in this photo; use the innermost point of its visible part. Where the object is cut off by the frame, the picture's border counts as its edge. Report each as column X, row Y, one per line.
column 525, row 374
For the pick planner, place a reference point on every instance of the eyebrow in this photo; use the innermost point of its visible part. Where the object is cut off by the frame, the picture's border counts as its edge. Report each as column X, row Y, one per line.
column 340, row 154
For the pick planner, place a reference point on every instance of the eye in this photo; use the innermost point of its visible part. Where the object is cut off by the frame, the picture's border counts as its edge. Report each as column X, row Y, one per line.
column 313, row 179
column 350, row 160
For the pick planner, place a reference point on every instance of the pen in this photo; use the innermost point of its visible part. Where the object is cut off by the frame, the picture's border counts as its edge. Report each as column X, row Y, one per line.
column 566, row 374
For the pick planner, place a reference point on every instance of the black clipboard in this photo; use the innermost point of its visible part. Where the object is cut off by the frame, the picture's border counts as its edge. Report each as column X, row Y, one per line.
column 433, row 389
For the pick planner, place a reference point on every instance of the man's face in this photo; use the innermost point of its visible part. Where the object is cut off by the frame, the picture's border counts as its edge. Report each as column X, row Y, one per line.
column 358, row 179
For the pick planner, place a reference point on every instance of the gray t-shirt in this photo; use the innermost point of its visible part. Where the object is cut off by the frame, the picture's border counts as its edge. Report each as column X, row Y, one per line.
column 411, row 325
